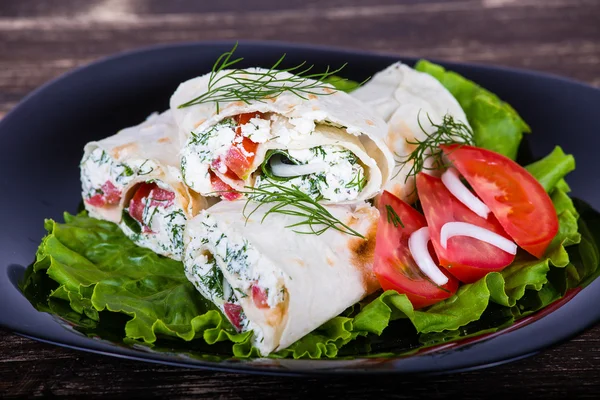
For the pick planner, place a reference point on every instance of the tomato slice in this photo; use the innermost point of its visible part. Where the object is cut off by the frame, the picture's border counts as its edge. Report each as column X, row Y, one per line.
column 234, row 314
column 240, row 156
column 394, row 265
column 514, row 196
column 259, row 296
column 466, row 258
column 227, row 192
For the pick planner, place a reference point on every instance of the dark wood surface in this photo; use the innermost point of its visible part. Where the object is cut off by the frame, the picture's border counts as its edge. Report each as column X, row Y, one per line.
column 40, row 40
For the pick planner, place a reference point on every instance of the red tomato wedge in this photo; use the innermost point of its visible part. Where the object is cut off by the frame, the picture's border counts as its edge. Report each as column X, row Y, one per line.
column 394, row 265
column 259, row 296
column 227, row 192
column 240, row 156
column 466, row 258
column 514, row 196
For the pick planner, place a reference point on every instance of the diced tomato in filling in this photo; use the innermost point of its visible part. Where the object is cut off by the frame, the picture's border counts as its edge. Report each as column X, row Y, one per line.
column 226, row 191
column 158, row 198
column 110, row 195
column 96, row 200
column 234, row 314
column 259, row 296
column 241, row 155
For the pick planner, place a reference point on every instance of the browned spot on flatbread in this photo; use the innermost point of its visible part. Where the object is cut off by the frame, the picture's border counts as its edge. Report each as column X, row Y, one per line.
column 369, row 122
column 123, row 149
column 236, row 104
column 328, row 90
column 329, row 261
column 312, row 96
column 199, row 122
column 315, row 108
column 299, row 262
column 362, row 257
column 164, row 140
column 274, row 316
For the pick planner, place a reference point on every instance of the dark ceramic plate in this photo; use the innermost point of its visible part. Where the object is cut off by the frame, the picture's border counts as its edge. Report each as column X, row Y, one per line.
column 41, row 143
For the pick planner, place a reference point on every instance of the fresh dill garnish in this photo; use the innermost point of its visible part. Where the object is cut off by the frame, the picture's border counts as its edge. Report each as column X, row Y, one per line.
column 448, row 132
column 392, row 216
column 292, row 201
column 259, row 86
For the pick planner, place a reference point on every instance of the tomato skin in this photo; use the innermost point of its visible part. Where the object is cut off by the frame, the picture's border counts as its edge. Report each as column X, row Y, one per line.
column 227, row 192
column 259, row 296
column 234, row 314
column 466, row 258
column 514, row 196
column 394, row 265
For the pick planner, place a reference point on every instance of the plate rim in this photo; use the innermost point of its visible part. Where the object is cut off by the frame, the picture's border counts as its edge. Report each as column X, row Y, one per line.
column 147, row 357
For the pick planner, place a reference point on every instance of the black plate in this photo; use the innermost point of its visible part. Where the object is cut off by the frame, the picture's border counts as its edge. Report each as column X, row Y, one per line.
column 41, row 143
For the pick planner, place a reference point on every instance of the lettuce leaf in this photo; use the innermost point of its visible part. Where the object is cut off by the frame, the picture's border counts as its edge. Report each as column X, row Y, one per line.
column 87, row 270
column 496, row 125
column 342, row 84
column 550, row 170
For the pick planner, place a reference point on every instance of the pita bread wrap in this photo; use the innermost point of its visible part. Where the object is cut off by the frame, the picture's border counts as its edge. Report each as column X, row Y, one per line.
column 132, row 178
column 323, row 141
column 273, row 281
column 410, row 102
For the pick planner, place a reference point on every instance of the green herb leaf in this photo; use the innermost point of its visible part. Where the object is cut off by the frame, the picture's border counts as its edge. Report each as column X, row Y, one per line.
column 292, row 201
column 392, row 216
column 250, row 86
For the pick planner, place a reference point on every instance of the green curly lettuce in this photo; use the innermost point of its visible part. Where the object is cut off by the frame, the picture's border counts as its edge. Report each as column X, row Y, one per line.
column 496, row 125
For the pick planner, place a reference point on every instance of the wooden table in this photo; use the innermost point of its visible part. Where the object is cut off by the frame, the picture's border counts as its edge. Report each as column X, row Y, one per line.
column 41, row 40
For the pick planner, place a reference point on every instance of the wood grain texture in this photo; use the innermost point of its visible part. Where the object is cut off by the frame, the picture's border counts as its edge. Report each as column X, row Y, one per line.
column 41, row 40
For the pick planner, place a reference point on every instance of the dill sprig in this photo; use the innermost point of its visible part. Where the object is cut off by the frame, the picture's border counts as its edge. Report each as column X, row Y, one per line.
column 292, row 201
column 449, row 131
column 392, row 216
column 249, row 86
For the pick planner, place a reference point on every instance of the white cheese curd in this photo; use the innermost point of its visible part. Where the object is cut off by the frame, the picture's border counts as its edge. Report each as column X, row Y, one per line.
column 212, row 255
column 257, row 129
column 201, row 149
column 341, row 176
column 163, row 225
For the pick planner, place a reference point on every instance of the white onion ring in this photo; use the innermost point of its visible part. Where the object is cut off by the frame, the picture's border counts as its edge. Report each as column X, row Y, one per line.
column 451, row 229
column 453, row 183
column 278, row 168
column 417, row 244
